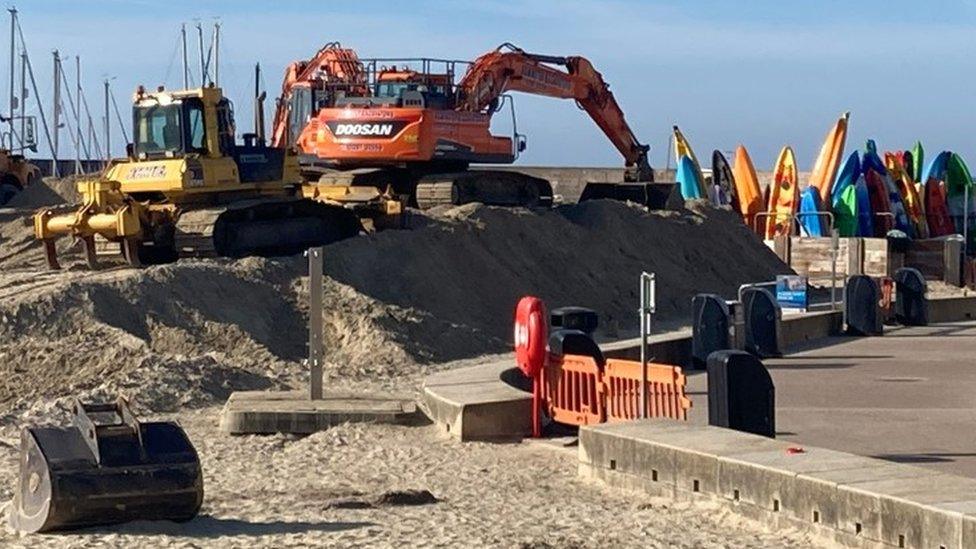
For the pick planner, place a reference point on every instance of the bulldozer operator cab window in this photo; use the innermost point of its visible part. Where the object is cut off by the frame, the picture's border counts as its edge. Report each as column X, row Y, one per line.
column 158, row 130
column 225, row 126
column 196, row 127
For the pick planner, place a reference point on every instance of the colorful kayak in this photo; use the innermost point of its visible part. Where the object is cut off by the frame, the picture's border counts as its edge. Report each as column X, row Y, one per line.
column 937, row 210
column 902, row 221
column 959, row 189
column 907, row 161
column 812, row 220
column 895, row 162
column 723, row 182
column 862, row 197
column 880, row 203
column 936, row 205
column 846, row 177
column 687, row 178
column 831, row 154
column 747, row 189
column 784, row 195
column 918, row 161
column 889, row 209
column 683, row 148
column 870, row 159
column 845, row 212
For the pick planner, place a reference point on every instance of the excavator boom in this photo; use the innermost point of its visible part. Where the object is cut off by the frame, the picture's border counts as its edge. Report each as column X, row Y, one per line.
column 332, row 68
column 509, row 68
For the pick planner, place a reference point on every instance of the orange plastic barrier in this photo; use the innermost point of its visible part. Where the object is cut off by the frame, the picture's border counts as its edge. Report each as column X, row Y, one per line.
column 576, row 391
column 573, row 391
column 665, row 391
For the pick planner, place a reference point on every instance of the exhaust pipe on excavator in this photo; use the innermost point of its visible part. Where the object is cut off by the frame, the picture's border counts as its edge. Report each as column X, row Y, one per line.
column 259, row 97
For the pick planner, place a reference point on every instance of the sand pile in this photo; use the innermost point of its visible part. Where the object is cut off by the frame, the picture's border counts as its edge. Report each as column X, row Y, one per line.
column 51, row 191
column 187, row 334
column 470, row 265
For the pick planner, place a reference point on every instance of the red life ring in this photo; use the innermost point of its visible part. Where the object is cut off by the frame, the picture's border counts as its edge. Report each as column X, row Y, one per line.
column 530, row 335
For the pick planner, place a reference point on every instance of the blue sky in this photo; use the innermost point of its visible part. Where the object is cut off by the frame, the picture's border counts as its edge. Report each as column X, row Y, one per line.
column 764, row 73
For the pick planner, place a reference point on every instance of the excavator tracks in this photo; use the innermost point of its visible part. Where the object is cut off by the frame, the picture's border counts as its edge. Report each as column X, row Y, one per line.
column 495, row 188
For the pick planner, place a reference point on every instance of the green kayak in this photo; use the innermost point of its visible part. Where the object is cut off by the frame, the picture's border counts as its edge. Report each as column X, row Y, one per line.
column 918, row 161
column 845, row 212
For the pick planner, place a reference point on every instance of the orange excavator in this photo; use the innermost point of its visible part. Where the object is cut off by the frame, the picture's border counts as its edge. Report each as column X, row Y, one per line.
column 411, row 127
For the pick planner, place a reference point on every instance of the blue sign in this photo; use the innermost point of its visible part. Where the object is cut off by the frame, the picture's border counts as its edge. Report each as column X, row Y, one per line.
column 791, row 292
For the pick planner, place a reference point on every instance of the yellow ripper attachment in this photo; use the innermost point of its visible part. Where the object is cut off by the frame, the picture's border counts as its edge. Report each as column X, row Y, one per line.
column 375, row 208
column 106, row 211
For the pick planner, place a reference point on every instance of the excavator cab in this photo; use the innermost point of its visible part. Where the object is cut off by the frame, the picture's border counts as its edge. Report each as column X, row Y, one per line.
column 414, row 89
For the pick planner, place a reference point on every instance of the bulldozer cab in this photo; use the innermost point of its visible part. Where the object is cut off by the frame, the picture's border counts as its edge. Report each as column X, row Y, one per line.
column 199, row 124
column 177, row 124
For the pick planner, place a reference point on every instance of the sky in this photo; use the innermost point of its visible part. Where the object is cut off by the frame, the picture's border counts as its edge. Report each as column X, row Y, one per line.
column 764, row 73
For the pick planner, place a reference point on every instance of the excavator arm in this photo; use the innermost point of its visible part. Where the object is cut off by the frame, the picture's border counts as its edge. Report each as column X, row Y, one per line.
column 332, row 69
column 509, row 68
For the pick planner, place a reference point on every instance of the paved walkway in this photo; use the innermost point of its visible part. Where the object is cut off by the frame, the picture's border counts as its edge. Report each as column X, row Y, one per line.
column 908, row 397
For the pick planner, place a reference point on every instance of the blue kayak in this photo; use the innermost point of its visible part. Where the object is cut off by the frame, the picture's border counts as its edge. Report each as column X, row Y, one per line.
column 937, row 168
column 871, row 159
column 812, row 223
column 846, row 177
column 902, row 223
column 865, row 223
column 687, row 178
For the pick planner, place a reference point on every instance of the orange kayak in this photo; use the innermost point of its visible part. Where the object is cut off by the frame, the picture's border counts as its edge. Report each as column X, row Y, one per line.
column 831, row 155
column 784, row 195
column 747, row 188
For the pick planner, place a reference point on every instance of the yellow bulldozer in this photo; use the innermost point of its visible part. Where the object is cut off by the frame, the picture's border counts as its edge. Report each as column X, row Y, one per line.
column 16, row 174
column 187, row 188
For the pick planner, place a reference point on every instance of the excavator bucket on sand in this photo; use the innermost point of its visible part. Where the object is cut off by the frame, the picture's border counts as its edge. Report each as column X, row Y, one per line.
column 106, row 467
column 656, row 196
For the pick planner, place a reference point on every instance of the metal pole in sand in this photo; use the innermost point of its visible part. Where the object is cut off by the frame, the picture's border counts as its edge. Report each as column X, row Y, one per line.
column 647, row 287
column 315, row 269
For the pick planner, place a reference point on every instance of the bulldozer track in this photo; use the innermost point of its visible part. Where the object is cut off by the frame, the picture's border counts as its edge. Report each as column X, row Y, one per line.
column 194, row 232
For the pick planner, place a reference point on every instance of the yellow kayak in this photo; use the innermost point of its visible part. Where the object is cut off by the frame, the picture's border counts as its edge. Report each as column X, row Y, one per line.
column 909, row 193
column 831, row 155
column 683, row 148
column 747, row 189
column 784, row 195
